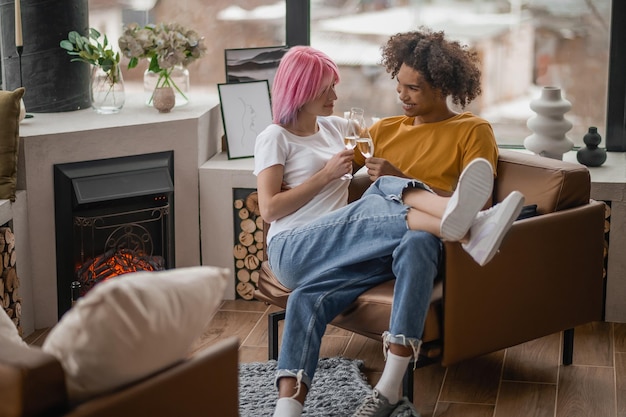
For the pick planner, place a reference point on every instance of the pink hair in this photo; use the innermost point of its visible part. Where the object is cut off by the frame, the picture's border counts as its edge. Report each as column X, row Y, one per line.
column 298, row 80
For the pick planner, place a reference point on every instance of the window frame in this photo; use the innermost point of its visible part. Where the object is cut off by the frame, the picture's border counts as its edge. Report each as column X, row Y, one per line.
column 616, row 97
column 298, row 22
column 298, row 32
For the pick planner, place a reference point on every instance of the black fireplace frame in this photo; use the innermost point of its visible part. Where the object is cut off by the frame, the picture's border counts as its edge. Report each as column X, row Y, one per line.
column 89, row 183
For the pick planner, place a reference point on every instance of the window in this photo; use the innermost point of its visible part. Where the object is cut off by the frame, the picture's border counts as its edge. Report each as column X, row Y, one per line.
column 523, row 45
column 223, row 23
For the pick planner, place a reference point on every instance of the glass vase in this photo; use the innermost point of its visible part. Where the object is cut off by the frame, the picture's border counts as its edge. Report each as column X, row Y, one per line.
column 106, row 90
column 179, row 81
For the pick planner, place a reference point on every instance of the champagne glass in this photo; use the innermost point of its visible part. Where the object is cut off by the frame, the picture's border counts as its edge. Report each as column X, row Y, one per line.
column 352, row 133
column 364, row 142
column 365, row 145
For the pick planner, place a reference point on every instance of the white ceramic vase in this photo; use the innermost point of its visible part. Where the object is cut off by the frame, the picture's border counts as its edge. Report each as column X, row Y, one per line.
column 548, row 125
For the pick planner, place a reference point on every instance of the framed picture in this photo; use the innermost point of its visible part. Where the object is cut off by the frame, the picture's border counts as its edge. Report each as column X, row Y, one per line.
column 253, row 64
column 246, row 111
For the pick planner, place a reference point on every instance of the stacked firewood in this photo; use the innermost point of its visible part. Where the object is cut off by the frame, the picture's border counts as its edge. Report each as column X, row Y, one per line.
column 9, row 281
column 248, row 251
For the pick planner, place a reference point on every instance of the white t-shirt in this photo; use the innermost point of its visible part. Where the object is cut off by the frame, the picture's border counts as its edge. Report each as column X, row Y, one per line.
column 301, row 157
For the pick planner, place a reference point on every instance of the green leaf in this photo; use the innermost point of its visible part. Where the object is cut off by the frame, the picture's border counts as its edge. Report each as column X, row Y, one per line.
column 94, row 34
column 72, row 36
column 108, row 63
column 67, row 45
column 133, row 62
column 154, row 65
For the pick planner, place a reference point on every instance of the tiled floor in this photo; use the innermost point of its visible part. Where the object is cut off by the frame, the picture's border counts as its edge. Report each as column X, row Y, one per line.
column 522, row 381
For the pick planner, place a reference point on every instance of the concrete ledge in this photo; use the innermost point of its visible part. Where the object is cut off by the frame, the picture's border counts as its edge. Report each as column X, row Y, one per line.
column 6, row 212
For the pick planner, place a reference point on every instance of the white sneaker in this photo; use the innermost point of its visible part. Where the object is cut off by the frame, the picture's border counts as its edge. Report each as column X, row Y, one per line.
column 471, row 194
column 490, row 227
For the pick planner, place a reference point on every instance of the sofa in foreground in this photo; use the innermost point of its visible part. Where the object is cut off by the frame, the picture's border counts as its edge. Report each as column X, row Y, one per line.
column 32, row 383
column 127, row 348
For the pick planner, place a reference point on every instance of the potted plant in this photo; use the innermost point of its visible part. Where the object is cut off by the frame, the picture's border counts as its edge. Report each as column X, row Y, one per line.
column 170, row 48
column 107, row 85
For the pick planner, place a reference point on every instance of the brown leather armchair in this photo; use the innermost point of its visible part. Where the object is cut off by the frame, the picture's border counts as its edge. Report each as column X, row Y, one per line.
column 32, row 384
column 547, row 277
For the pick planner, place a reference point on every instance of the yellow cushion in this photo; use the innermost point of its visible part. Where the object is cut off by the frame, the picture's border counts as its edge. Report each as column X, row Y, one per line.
column 9, row 140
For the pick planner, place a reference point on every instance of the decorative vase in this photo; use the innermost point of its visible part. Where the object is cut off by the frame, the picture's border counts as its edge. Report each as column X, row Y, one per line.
column 549, row 126
column 178, row 80
column 107, row 90
column 22, row 115
column 164, row 99
column 591, row 155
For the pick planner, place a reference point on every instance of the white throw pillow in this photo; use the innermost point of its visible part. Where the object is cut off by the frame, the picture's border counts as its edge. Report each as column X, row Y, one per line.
column 133, row 325
column 9, row 336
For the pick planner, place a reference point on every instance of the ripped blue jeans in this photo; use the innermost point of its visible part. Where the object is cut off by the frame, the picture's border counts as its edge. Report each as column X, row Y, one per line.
column 329, row 262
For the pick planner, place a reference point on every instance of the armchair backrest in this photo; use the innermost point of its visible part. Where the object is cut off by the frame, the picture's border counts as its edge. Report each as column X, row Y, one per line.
column 551, row 184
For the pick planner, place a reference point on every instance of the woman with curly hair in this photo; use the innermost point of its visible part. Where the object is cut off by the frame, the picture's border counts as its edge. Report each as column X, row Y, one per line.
column 393, row 231
column 430, row 141
column 434, row 143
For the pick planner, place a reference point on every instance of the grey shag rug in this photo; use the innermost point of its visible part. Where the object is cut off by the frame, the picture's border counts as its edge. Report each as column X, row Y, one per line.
column 338, row 388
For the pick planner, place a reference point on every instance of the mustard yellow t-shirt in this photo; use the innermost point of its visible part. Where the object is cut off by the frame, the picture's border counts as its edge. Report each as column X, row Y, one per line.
column 434, row 153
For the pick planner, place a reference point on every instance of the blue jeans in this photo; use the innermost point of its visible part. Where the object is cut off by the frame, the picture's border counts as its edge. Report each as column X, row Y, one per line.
column 329, row 262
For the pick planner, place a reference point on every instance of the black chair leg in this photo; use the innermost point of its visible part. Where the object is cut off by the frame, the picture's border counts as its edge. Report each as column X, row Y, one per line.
column 568, row 346
column 407, row 383
column 272, row 333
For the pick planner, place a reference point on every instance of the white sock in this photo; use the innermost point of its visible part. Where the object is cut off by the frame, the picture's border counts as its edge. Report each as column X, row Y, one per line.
column 391, row 380
column 288, row 407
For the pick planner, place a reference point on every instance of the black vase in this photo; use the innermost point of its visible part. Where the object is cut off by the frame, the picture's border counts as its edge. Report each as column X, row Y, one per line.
column 591, row 155
column 53, row 83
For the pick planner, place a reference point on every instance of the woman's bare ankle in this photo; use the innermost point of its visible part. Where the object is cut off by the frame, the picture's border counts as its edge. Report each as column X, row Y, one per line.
column 288, row 387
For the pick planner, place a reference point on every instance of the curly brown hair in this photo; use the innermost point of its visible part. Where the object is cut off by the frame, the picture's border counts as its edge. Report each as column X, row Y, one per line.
column 445, row 65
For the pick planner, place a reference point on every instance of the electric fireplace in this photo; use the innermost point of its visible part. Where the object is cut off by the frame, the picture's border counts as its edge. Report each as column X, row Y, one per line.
column 112, row 216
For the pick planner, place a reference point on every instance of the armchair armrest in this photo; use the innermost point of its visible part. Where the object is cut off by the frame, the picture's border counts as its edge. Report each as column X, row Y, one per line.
column 206, row 384
column 547, row 277
column 358, row 185
column 32, row 383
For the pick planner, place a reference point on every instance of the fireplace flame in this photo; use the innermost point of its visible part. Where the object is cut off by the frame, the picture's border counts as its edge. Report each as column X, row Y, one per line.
column 113, row 263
